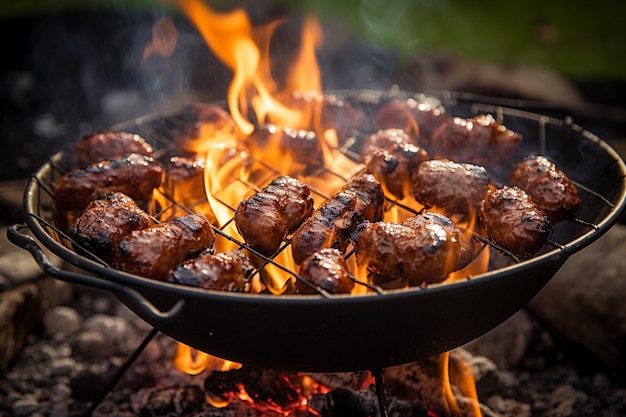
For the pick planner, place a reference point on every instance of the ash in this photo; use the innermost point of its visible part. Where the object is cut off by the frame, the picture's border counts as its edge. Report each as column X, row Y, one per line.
column 69, row 362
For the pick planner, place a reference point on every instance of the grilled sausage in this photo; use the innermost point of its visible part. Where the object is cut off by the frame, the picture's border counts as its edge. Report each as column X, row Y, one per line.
column 154, row 251
column 266, row 218
column 547, row 185
column 479, row 140
column 105, row 221
column 393, row 166
column 419, row 119
column 202, row 122
column 330, row 226
column 109, row 144
column 455, row 188
column 226, row 271
column 513, row 221
column 326, row 269
column 422, row 249
column 134, row 175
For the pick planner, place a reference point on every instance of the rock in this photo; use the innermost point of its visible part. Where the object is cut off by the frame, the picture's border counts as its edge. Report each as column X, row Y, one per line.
column 584, row 301
column 62, row 321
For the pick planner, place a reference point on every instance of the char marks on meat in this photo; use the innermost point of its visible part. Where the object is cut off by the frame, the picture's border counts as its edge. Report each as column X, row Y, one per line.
column 331, row 225
column 109, row 144
column 154, row 251
column 134, row 175
column 266, row 218
column 393, row 166
column 419, row 119
column 455, row 188
column 326, row 269
column 514, row 222
column 105, row 221
column 547, row 185
column 225, row 271
column 422, row 249
column 479, row 140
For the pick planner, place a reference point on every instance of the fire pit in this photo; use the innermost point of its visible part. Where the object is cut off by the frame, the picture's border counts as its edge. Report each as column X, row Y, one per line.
column 398, row 325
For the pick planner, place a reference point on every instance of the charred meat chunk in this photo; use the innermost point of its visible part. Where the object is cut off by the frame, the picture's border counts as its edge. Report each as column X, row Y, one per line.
column 418, row 118
column 331, row 225
column 300, row 151
column 134, row 175
column 547, row 185
column 479, row 140
column 384, row 139
column 267, row 217
column 154, row 251
column 514, row 222
column 326, row 269
column 393, row 167
column 422, row 249
column 110, row 144
column 105, row 221
column 455, row 188
column 203, row 122
column 225, row 271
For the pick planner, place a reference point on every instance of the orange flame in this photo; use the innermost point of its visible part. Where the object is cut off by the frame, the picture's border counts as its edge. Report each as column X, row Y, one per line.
column 194, row 362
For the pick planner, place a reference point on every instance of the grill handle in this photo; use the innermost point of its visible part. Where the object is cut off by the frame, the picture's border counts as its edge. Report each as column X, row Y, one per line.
column 138, row 301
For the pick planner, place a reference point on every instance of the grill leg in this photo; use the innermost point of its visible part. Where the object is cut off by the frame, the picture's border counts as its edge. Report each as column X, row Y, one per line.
column 120, row 372
column 380, row 392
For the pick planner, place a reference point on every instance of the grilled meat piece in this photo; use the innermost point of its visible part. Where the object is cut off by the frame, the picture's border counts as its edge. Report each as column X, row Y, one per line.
column 298, row 151
column 134, row 175
column 479, row 140
column 547, row 185
column 266, row 218
column 327, row 269
column 422, row 249
column 393, row 166
column 105, row 145
column 226, row 271
column 419, row 119
column 513, row 221
column 154, row 251
column 203, row 122
column 456, row 188
column 384, row 139
column 105, row 221
column 331, row 225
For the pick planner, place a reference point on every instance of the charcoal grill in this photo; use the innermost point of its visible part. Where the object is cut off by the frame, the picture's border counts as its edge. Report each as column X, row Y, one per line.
column 324, row 333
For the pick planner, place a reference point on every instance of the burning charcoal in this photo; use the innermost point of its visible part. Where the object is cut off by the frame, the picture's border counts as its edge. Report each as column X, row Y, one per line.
column 295, row 151
column 419, row 119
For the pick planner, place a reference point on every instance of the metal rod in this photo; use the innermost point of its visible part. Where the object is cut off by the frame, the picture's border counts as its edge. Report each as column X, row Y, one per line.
column 120, row 372
column 380, row 392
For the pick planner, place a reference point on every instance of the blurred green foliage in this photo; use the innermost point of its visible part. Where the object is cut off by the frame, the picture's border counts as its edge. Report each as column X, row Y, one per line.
column 580, row 39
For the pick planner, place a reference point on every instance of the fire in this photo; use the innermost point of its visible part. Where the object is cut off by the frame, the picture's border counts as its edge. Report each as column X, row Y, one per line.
column 255, row 98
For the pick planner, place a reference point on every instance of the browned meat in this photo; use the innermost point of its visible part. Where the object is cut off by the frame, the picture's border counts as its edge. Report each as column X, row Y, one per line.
column 384, row 139
column 154, row 251
column 547, row 185
column 331, row 225
column 203, row 121
column 297, row 151
column 423, row 249
column 266, row 218
column 513, row 221
column 393, row 166
column 480, row 140
column 455, row 188
column 134, row 175
column 419, row 119
column 226, row 271
column 105, row 221
column 110, row 144
column 326, row 269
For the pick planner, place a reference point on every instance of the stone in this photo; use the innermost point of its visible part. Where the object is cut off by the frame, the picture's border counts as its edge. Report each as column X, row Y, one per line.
column 584, row 301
